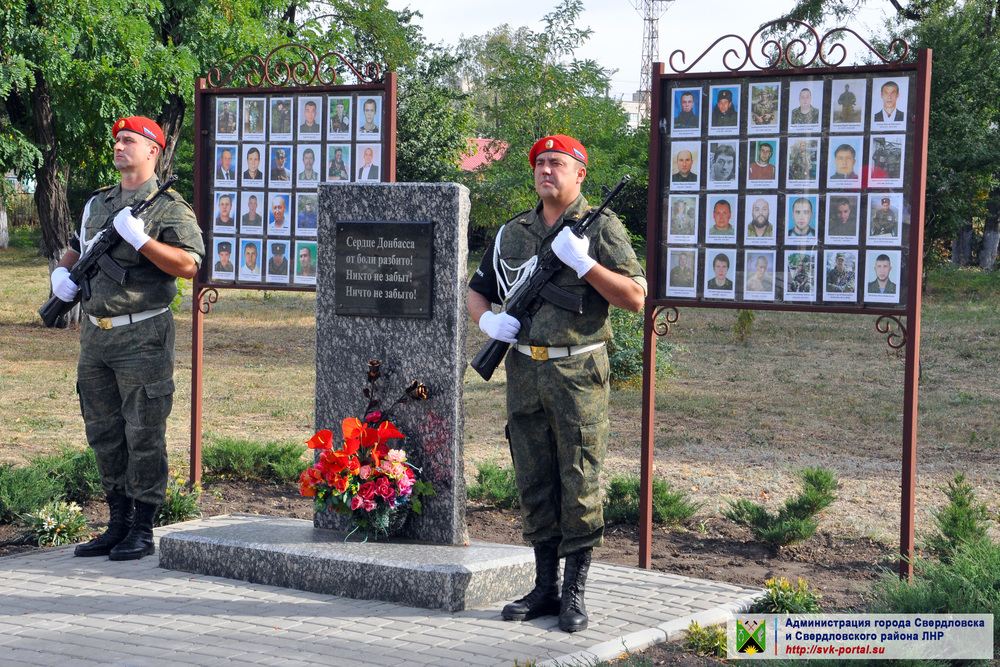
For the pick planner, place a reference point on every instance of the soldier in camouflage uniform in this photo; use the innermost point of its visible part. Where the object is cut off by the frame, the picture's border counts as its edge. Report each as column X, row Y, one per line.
column 557, row 373
column 125, row 372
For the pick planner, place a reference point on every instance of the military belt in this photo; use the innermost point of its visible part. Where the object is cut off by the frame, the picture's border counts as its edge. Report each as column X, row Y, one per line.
column 121, row 320
column 541, row 353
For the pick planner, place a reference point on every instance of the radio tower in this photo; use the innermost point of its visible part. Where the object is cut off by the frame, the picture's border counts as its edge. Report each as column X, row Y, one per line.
column 650, row 10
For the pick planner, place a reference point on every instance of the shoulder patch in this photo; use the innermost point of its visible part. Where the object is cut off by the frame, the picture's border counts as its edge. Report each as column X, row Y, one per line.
column 100, row 190
column 174, row 195
column 520, row 217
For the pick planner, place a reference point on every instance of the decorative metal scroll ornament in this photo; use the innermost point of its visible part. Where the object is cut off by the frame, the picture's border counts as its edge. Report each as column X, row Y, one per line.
column 207, row 297
column 311, row 70
column 670, row 316
column 895, row 339
column 828, row 50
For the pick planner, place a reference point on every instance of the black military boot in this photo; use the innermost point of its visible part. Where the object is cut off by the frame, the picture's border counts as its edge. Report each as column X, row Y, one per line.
column 572, row 612
column 139, row 541
column 122, row 513
column 543, row 600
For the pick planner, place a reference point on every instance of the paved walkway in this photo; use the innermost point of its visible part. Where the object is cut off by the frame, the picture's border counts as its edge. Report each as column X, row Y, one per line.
column 59, row 610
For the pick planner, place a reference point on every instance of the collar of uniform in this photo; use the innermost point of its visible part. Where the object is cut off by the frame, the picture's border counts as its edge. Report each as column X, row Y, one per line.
column 144, row 191
column 569, row 217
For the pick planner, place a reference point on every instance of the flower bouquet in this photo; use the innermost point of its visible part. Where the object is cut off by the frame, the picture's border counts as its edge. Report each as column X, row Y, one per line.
column 364, row 476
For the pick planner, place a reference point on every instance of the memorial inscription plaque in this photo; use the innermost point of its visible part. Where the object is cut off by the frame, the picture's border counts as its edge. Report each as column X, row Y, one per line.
column 383, row 269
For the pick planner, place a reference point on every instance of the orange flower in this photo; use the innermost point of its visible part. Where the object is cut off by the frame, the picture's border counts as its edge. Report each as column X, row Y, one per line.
column 340, row 483
column 386, row 430
column 322, row 440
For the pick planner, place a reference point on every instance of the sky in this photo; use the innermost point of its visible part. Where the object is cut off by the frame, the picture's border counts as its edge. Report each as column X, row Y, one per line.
column 616, row 43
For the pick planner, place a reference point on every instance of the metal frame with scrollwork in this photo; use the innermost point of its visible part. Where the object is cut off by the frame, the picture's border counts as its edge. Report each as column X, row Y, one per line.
column 765, row 56
column 287, row 68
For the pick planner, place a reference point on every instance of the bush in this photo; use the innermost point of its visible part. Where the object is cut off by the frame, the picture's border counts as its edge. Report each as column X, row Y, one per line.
column 962, row 520
column 495, row 485
column 621, row 502
column 795, row 522
column 245, row 460
column 782, row 597
column 625, row 350
column 56, row 524
column 181, row 504
column 24, row 490
column 76, row 472
column 706, row 641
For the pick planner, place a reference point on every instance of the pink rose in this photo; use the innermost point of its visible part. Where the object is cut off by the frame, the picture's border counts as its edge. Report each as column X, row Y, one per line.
column 356, row 502
column 396, row 455
column 367, row 490
column 373, row 417
column 365, row 471
column 398, row 470
column 405, row 485
column 369, row 505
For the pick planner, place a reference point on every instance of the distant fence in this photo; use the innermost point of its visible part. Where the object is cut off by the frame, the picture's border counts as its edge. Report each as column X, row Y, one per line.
column 21, row 211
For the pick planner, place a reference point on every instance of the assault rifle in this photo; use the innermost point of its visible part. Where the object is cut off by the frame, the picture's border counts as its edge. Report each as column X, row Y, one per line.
column 97, row 259
column 519, row 304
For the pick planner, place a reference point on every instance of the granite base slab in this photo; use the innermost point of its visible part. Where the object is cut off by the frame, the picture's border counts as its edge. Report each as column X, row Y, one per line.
column 291, row 553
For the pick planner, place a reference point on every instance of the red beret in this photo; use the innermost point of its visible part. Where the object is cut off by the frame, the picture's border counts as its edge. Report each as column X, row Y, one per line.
column 140, row 125
column 560, row 143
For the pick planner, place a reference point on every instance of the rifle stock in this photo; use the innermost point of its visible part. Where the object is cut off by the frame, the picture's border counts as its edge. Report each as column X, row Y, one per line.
column 87, row 266
column 519, row 303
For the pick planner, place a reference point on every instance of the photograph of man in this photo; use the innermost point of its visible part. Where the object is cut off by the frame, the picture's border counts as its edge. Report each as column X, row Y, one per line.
column 252, row 221
column 887, row 111
column 305, row 222
column 762, row 277
column 306, row 265
column 223, row 255
column 277, row 221
column 840, row 278
column 278, row 264
column 125, row 369
column 336, row 168
column 682, row 275
column 803, row 158
column 250, row 269
column 760, row 225
column 805, row 115
column 340, row 121
column 843, row 160
column 307, row 158
column 683, row 175
column 225, row 172
column 800, row 279
column 886, row 161
column 367, row 169
column 883, row 282
column 226, row 122
column 224, row 220
column 253, row 118
column 687, row 111
column 761, row 160
column 848, row 103
column 725, row 112
column 551, row 393
column 843, row 219
column 281, row 118
column 370, row 110
column 310, row 127
column 683, row 217
column 253, row 173
column 720, row 279
column 765, row 103
column 722, row 165
column 884, row 218
column 801, row 213
column 720, row 229
column 280, row 175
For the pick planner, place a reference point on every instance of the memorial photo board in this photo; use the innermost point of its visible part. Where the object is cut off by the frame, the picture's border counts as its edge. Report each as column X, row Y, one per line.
column 785, row 188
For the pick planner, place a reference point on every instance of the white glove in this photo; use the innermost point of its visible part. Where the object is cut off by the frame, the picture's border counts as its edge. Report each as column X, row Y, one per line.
column 132, row 229
column 63, row 286
column 572, row 250
column 500, row 326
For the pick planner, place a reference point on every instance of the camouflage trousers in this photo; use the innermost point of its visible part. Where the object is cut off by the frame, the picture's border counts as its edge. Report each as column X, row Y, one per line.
column 557, row 413
column 125, row 378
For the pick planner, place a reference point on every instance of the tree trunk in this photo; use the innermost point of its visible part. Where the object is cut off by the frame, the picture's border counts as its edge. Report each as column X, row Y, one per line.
column 4, row 235
column 961, row 247
column 991, row 233
column 171, row 119
column 50, row 189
